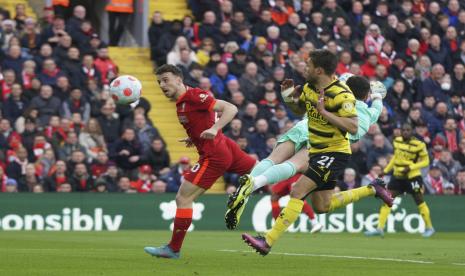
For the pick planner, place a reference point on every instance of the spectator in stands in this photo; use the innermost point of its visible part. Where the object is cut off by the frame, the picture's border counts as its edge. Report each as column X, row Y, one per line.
column 265, row 21
column 31, row 179
column 15, row 104
column 448, row 166
column 127, row 151
column 173, row 178
column 220, row 78
column 208, row 27
column 110, row 124
column 16, row 167
column 373, row 39
column 438, row 53
column 369, row 67
column 57, row 177
column 159, row 187
column 124, row 185
column 460, row 182
column 145, row 132
column 434, row 182
column 88, row 72
column 8, row 31
column 349, row 180
column 378, row 149
column 258, row 139
column 157, row 157
column 60, row 52
column 92, row 139
column 158, row 27
column 458, row 80
column 80, row 179
column 50, row 72
column 73, row 25
column 174, row 56
column 11, row 186
column 46, row 104
column 450, row 137
column 71, row 144
column 250, row 82
column 9, row 78
column 105, row 65
column 76, row 103
column 9, row 138
column 237, row 65
column 460, row 154
column 13, row 60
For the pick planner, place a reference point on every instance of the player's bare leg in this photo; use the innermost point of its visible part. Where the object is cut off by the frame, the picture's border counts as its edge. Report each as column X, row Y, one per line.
column 185, row 198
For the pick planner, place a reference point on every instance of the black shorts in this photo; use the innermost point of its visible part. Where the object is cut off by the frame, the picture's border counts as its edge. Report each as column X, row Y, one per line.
column 404, row 185
column 325, row 168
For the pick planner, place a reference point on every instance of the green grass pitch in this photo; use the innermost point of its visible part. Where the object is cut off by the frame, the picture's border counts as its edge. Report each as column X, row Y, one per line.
column 224, row 253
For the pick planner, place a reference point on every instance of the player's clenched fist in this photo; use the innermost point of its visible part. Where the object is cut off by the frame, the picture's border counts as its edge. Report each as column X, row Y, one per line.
column 209, row 133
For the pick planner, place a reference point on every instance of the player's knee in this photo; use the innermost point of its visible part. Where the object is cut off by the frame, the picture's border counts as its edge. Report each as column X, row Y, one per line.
column 182, row 201
column 274, row 197
column 319, row 209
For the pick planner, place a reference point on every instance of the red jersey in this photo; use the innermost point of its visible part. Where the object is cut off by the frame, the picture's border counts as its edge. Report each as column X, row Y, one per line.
column 195, row 113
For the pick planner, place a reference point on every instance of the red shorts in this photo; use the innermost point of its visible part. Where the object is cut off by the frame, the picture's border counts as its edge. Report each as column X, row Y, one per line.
column 227, row 157
column 283, row 188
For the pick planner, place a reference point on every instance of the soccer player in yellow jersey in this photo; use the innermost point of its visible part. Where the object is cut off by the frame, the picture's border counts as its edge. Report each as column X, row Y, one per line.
column 331, row 112
column 410, row 156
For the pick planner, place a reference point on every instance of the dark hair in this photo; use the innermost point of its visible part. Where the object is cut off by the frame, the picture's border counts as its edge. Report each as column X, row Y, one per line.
column 324, row 59
column 359, row 86
column 168, row 68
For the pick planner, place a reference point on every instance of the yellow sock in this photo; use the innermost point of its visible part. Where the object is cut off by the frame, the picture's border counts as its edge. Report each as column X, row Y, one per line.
column 287, row 217
column 424, row 212
column 341, row 199
column 383, row 215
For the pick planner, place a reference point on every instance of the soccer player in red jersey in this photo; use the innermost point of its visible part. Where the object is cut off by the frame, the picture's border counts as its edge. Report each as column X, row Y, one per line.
column 196, row 110
column 283, row 188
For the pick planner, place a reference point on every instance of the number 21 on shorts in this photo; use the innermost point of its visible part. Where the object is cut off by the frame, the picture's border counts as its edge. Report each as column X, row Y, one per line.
column 325, row 161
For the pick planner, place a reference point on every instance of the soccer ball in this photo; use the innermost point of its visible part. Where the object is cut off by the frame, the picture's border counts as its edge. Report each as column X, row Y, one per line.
column 125, row 90
column 344, row 77
column 378, row 87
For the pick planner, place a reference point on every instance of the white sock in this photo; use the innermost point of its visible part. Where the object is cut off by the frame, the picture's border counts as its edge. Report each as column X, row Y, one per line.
column 259, row 181
column 314, row 221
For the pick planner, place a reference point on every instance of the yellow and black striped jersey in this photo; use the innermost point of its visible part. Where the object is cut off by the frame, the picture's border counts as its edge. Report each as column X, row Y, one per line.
column 323, row 136
column 412, row 154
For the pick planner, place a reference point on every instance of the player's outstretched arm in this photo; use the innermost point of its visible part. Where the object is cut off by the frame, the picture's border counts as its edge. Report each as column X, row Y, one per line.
column 228, row 112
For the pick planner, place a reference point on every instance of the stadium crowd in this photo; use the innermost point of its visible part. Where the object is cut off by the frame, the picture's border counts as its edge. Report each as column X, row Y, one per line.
column 242, row 50
column 61, row 132
column 59, row 129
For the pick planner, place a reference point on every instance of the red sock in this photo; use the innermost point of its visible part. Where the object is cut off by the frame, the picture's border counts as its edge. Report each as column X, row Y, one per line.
column 182, row 221
column 308, row 210
column 275, row 209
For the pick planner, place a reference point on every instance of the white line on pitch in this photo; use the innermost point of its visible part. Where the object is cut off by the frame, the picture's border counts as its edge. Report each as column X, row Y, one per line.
column 334, row 256
column 458, row 264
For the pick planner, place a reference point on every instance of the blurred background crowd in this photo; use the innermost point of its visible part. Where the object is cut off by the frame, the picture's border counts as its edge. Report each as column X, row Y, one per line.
column 60, row 131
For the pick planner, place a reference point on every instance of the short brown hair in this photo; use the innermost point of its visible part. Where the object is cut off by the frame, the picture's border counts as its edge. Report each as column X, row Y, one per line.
column 168, row 68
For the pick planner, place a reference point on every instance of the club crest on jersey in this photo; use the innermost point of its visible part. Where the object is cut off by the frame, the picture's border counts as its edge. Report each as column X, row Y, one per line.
column 348, row 106
column 203, row 97
column 183, row 119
